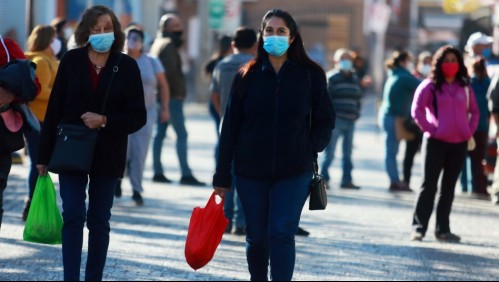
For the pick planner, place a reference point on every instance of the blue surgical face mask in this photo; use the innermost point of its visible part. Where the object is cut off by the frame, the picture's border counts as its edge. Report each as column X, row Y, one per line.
column 345, row 65
column 101, row 42
column 486, row 53
column 276, row 45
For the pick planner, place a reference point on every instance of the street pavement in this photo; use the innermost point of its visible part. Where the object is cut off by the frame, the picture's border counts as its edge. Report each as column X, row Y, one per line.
column 362, row 235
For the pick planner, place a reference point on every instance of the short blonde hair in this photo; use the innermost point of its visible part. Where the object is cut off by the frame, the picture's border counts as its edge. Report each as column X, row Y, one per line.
column 340, row 52
column 40, row 38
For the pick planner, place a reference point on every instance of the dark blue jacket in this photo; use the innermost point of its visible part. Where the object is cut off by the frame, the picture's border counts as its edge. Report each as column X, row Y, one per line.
column 266, row 131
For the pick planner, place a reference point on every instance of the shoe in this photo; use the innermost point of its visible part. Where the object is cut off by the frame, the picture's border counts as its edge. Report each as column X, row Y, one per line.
column 448, row 237
column 417, row 236
column 240, row 231
column 25, row 211
column 399, row 187
column 302, row 232
column 480, row 196
column 350, row 186
column 160, row 178
column 190, row 180
column 117, row 191
column 228, row 229
column 495, row 199
column 137, row 198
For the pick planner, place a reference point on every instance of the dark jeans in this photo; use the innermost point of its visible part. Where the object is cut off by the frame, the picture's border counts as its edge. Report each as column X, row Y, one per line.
column 437, row 156
column 478, row 178
column 5, row 164
column 33, row 140
column 101, row 195
column 216, row 119
column 411, row 148
column 273, row 210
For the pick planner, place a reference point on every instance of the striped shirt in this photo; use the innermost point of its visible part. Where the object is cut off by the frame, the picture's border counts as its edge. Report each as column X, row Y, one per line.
column 345, row 93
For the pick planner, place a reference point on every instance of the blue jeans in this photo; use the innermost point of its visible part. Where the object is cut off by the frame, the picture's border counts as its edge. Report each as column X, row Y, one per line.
column 346, row 128
column 273, row 210
column 101, row 195
column 33, row 140
column 177, row 120
column 216, row 119
column 391, row 147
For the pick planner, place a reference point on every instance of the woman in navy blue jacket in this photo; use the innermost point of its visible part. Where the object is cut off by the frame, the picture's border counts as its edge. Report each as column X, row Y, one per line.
column 278, row 118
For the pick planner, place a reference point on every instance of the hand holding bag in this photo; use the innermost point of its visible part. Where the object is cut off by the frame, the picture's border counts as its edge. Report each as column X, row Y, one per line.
column 206, row 228
column 75, row 143
column 44, row 222
column 318, row 196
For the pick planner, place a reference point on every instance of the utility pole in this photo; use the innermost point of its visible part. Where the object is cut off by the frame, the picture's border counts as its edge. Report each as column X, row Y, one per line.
column 205, row 49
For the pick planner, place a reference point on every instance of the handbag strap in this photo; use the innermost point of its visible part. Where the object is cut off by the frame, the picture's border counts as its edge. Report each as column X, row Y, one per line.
column 315, row 164
column 115, row 70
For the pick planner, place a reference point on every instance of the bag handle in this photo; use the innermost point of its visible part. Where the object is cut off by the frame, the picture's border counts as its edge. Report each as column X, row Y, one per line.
column 115, row 70
column 5, row 47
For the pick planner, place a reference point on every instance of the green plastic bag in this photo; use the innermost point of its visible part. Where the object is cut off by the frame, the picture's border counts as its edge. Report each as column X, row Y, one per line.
column 44, row 223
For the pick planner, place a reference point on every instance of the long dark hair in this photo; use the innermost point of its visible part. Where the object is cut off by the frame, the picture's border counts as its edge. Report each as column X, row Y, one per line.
column 89, row 20
column 437, row 76
column 296, row 51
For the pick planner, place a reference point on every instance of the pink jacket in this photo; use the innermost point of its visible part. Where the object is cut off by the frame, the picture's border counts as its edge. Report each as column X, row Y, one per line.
column 451, row 123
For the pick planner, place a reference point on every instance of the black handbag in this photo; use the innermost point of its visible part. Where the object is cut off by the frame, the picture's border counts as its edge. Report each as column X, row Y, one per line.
column 10, row 141
column 75, row 143
column 317, row 187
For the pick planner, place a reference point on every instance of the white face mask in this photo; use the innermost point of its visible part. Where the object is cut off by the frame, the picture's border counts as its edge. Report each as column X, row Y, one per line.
column 56, row 46
column 68, row 32
column 410, row 66
column 425, row 69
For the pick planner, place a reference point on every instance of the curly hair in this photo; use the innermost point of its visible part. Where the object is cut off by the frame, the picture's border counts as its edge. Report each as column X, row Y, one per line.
column 89, row 20
column 437, row 76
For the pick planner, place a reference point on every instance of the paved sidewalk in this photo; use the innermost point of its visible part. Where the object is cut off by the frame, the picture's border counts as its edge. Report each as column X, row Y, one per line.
column 362, row 235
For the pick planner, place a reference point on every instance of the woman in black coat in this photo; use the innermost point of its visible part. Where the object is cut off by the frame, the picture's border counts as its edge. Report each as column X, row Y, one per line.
column 278, row 118
column 77, row 97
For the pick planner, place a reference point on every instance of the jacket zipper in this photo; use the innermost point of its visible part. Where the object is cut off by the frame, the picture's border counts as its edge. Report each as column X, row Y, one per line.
column 274, row 143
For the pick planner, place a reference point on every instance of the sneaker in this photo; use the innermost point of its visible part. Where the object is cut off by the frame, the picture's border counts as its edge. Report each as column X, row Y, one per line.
column 240, row 231
column 350, row 186
column 417, row 236
column 448, row 237
column 25, row 211
column 137, row 198
column 495, row 199
column 302, row 232
column 117, row 191
column 160, row 178
column 190, row 180
column 399, row 187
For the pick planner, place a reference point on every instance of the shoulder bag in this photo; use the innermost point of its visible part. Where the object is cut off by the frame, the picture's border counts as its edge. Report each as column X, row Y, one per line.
column 75, row 143
column 317, row 186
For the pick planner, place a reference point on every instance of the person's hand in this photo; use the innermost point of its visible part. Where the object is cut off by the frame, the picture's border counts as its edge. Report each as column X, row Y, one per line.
column 6, row 97
column 42, row 169
column 366, row 81
column 220, row 191
column 93, row 120
column 164, row 115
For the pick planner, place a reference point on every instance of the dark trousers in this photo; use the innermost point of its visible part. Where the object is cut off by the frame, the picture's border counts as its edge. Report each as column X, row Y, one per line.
column 273, row 210
column 33, row 140
column 478, row 178
column 437, row 156
column 5, row 164
column 411, row 148
column 73, row 194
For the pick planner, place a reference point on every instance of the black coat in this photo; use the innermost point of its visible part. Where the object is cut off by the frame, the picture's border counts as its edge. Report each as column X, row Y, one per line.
column 266, row 132
column 72, row 96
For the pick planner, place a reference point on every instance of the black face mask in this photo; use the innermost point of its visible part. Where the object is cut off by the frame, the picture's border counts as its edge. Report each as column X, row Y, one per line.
column 176, row 37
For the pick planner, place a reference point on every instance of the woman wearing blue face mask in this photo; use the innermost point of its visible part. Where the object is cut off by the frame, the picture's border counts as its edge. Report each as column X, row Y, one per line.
column 278, row 118
column 88, row 76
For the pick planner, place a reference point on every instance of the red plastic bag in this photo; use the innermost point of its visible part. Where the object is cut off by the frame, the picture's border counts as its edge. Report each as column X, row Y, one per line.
column 206, row 229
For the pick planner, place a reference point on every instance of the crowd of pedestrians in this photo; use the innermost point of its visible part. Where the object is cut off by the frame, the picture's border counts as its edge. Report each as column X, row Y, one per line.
column 275, row 110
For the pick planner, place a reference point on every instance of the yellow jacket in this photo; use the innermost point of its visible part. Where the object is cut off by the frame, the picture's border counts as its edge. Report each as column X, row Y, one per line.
column 46, row 70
